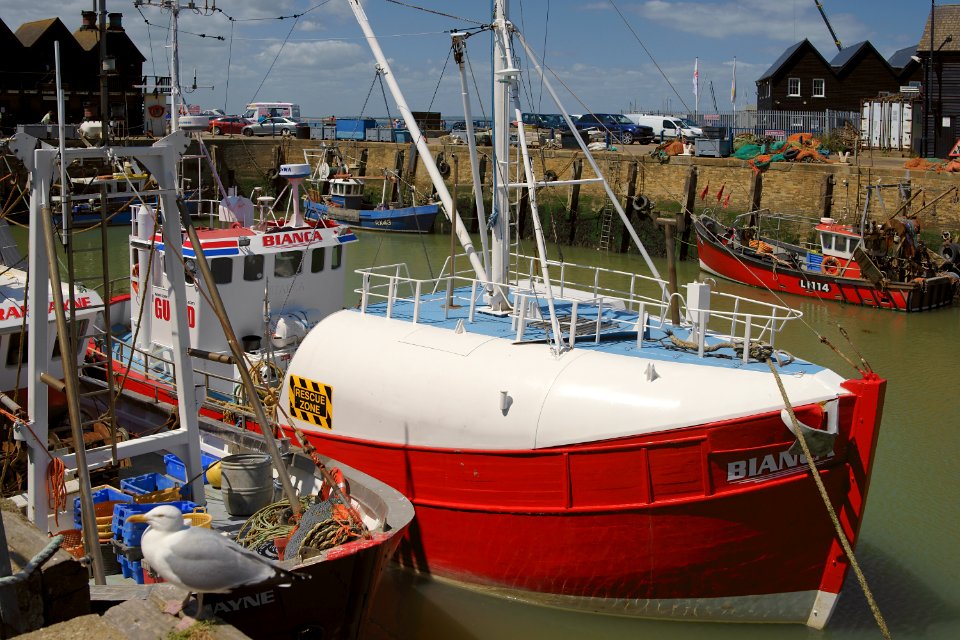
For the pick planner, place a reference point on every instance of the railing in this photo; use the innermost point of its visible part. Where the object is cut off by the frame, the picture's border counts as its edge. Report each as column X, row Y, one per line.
column 601, row 302
column 160, row 373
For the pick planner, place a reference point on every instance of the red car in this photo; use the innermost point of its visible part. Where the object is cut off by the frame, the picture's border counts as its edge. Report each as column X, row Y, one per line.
column 227, row 125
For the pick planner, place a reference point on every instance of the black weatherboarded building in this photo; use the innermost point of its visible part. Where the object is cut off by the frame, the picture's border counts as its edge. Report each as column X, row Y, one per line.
column 28, row 72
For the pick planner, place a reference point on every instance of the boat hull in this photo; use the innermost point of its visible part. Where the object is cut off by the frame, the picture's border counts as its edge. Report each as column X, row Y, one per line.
column 417, row 219
column 754, row 270
column 660, row 525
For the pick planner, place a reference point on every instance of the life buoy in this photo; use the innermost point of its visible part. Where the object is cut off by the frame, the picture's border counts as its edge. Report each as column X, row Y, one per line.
column 156, row 110
column 830, row 266
column 337, row 474
column 135, row 278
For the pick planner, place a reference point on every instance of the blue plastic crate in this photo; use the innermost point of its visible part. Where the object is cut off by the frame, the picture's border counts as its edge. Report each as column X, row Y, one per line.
column 103, row 494
column 132, row 569
column 150, row 482
column 178, row 470
column 129, row 533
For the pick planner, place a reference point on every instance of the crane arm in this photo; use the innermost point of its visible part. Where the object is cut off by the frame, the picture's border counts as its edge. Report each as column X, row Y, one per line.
column 823, row 13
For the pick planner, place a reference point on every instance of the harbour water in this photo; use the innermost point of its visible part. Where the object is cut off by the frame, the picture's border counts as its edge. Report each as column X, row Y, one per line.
column 910, row 540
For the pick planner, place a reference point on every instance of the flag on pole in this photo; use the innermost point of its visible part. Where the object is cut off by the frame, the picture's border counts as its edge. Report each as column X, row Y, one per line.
column 733, row 83
column 696, row 83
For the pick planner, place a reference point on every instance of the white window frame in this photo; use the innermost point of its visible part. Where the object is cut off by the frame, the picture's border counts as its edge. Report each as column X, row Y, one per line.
column 790, row 93
column 823, row 88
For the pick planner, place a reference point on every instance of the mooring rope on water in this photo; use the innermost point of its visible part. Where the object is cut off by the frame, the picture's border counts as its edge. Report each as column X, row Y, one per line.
column 844, row 542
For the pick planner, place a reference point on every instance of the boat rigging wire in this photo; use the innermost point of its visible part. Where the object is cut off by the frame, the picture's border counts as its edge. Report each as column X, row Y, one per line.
column 647, row 51
column 435, row 12
column 275, row 58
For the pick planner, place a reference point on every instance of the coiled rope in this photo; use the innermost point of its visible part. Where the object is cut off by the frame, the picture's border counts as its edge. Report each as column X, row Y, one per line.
column 847, row 549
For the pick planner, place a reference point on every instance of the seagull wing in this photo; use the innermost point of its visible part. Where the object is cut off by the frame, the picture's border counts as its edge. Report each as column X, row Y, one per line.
column 201, row 560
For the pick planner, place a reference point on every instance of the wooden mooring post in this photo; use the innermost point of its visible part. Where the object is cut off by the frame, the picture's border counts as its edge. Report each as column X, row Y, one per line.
column 628, row 202
column 689, row 202
column 573, row 199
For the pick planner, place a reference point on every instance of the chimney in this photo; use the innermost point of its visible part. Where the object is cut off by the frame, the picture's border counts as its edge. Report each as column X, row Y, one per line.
column 89, row 21
column 114, row 22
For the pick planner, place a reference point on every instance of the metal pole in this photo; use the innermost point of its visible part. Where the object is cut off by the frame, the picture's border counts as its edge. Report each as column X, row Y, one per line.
column 266, row 425
column 104, row 79
column 91, row 541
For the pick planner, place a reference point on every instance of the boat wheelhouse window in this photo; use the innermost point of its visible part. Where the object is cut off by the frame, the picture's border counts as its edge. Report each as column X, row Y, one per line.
column 170, row 262
column 317, row 257
column 222, row 269
column 287, row 264
column 337, row 257
column 253, row 267
column 17, row 349
column 81, row 332
column 826, row 239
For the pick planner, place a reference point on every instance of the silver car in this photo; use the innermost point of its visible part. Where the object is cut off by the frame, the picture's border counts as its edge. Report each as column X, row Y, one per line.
column 278, row 125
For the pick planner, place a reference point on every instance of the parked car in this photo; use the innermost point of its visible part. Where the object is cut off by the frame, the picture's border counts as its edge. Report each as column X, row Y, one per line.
column 620, row 127
column 280, row 125
column 227, row 125
column 545, row 120
column 667, row 127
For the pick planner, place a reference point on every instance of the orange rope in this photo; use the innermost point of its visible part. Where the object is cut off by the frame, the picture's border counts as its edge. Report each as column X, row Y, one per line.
column 56, row 488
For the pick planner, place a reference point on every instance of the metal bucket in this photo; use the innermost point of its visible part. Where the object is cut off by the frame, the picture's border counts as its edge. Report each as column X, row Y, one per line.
column 247, row 483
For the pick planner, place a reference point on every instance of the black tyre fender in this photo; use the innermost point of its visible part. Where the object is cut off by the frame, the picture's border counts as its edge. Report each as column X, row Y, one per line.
column 549, row 175
column 791, row 153
column 641, row 203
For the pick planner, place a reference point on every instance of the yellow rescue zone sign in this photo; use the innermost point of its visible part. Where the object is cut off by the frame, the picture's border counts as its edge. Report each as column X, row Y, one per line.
column 311, row 402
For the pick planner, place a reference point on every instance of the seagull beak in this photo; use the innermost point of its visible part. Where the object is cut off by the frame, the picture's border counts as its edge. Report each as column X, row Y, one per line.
column 137, row 517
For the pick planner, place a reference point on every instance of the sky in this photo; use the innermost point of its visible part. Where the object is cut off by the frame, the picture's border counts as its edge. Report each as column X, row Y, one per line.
column 611, row 55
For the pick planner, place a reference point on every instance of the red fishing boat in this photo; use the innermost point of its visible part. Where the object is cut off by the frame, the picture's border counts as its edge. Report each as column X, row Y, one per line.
column 568, row 438
column 884, row 266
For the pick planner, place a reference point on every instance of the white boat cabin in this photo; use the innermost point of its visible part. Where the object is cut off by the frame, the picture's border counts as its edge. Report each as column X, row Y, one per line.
column 13, row 328
column 837, row 240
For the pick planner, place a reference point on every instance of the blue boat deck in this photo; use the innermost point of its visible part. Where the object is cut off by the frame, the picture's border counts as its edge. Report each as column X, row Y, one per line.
column 601, row 323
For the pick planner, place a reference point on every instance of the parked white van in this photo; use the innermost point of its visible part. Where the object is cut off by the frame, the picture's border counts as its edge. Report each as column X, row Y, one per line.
column 666, row 127
column 257, row 110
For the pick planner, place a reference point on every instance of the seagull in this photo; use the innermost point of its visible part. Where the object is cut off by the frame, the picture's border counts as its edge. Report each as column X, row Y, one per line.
column 201, row 560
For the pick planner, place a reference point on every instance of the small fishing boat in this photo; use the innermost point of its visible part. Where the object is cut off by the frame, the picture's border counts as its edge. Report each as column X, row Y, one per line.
column 845, row 264
column 364, row 516
column 343, row 200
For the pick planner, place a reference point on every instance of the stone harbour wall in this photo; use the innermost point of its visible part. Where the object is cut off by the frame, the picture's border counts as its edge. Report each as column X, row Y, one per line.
column 786, row 187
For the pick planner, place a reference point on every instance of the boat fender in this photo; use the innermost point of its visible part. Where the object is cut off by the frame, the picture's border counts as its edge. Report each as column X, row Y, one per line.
column 951, row 253
column 443, row 168
column 641, row 203
column 550, row 175
column 830, row 266
column 791, row 153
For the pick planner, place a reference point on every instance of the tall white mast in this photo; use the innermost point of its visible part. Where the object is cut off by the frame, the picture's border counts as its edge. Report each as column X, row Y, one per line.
column 420, row 141
column 503, row 72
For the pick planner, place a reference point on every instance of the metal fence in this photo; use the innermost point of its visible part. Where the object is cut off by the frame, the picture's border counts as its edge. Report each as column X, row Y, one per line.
column 779, row 124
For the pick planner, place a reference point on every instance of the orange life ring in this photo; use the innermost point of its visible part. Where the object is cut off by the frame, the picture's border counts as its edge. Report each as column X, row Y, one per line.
column 337, row 474
column 156, row 110
column 830, row 266
column 135, row 278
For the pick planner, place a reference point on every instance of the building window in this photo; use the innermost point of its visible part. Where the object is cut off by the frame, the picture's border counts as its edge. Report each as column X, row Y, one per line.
column 793, row 87
column 819, row 88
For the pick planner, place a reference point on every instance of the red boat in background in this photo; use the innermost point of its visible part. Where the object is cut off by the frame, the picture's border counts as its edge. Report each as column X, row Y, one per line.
column 885, row 265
